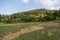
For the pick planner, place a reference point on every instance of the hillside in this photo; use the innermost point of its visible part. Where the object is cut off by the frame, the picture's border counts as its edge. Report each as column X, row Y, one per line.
column 38, row 15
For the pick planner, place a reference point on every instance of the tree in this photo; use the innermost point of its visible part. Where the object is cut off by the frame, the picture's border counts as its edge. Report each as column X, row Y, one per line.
column 0, row 17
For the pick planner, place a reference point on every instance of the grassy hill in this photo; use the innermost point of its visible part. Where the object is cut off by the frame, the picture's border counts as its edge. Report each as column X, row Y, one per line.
column 38, row 15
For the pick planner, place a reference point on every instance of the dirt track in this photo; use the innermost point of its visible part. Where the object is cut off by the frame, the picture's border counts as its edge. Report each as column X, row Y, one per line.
column 22, row 31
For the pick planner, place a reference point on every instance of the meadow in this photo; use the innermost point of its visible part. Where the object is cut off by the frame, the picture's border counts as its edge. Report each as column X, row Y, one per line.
column 5, row 28
column 51, row 30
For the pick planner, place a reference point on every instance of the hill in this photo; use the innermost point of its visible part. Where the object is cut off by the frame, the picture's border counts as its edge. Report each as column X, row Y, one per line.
column 38, row 15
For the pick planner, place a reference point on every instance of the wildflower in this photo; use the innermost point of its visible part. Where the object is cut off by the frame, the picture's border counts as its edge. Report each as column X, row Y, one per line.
column 50, row 34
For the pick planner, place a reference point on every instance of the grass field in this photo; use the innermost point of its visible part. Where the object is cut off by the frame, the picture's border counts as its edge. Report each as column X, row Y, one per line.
column 4, row 28
column 51, row 30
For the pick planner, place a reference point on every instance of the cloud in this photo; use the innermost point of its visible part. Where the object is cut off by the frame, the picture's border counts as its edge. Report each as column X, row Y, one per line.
column 50, row 4
column 26, row 1
column 53, row 8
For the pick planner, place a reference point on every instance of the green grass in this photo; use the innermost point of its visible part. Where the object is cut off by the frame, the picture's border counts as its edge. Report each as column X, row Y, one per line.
column 5, row 28
column 52, row 27
column 36, row 35
column 51, row 32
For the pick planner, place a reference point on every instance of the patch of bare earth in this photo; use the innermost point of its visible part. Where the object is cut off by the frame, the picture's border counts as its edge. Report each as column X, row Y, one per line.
column 10, row 35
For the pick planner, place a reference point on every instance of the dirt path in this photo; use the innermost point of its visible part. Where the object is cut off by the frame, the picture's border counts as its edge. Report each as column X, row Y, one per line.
column 22, row 31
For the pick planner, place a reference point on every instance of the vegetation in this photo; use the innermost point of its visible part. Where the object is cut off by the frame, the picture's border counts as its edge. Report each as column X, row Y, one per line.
column 50, row 32
column 39, row 15
column 5, row 28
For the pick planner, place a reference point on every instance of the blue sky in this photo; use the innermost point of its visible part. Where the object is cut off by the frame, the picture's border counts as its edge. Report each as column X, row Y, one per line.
column 14, row 6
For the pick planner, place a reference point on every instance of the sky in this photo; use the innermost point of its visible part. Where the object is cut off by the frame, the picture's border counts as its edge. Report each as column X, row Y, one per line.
column 13, row 6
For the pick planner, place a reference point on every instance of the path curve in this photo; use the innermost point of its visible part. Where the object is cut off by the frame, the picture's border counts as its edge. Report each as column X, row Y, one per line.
column 22, row 31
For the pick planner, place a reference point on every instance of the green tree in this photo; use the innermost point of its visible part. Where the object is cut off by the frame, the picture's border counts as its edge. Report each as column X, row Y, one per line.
column 0, row 18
